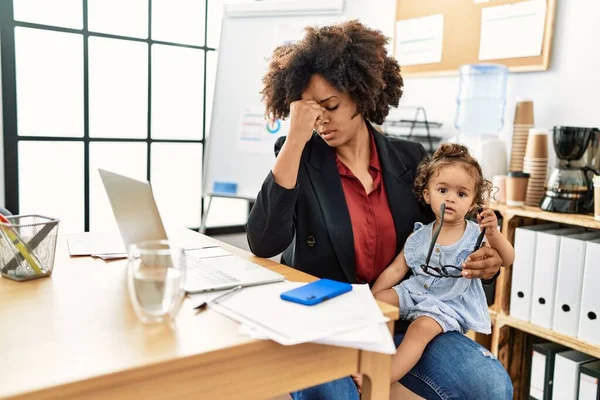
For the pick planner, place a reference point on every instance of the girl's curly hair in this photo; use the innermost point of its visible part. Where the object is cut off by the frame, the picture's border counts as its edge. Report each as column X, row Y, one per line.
column 350, row 56
column 452, row 153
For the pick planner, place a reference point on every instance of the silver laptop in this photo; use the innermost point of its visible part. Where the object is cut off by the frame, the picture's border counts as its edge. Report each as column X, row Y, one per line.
column 137, row 216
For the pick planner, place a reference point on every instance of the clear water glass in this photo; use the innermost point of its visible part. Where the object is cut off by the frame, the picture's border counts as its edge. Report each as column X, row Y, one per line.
column 156, row 280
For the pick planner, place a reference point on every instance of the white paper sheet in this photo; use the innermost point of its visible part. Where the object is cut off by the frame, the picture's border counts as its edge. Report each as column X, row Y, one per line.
column 110, row 246
column 512, row 30
column 85, row 244
column 108, row 257
column 258, row 135
column 419, row 40
column 384, row 342
column 368, row 334
column 261, row 309
column 376, row 338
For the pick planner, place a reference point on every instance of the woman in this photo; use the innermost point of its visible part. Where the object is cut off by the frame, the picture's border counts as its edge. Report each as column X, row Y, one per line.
column 339, row 202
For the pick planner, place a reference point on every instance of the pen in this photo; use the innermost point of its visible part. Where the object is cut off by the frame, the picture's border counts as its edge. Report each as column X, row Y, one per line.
column 21, row 246
column 35, row 241
column 219, row 297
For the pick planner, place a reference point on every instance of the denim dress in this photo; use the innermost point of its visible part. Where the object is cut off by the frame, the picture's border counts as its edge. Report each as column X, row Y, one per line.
column 457, row 304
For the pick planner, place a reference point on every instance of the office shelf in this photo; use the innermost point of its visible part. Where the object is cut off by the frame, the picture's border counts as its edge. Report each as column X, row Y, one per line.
column 548, row 334
column 584, row 220
column 511, row 338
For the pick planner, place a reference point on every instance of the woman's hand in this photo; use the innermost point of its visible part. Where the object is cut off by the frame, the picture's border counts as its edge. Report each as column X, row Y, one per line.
column 358, row 380
column 304, row 117
column 483, row 263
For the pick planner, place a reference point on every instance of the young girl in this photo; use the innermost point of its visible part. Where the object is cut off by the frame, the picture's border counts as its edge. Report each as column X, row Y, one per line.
column 439, row 297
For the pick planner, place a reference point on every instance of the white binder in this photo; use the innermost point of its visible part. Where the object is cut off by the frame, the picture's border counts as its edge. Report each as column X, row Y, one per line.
column 522, row 270
column 542, row 369
column 588, row 381
column 566, row 374
column 569, row 281
column 589, row 317
column 547, row 248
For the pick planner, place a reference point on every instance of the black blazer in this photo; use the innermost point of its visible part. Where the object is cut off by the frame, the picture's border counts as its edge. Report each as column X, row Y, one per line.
column 311, row 224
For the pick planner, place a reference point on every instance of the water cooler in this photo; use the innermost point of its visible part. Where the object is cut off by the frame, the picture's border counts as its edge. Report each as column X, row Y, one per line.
column 480, row 114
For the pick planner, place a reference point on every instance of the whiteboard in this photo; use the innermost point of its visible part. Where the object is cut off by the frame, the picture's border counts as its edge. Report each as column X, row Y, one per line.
column 240, row 143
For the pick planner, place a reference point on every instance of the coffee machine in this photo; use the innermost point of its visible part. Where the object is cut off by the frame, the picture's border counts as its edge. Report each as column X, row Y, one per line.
column 569, row 189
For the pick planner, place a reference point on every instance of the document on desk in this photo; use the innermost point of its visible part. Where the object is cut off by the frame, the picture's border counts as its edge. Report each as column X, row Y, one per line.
column 110, row 245
column 261, row 309
column 92, row 243
column 376, row 338
column 379, row 339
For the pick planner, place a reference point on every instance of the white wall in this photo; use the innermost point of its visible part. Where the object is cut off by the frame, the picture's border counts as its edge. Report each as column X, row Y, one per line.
column 567, row 94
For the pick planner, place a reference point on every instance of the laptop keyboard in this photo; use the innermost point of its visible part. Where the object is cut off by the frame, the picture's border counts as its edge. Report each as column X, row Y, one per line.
column 207, row 275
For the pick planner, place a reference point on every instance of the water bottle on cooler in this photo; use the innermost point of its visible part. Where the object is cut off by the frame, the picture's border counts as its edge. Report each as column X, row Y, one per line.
column 481, row 99
column 480, row 114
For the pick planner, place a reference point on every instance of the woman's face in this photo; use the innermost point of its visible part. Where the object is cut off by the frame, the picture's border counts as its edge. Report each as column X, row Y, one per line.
column 338, row 126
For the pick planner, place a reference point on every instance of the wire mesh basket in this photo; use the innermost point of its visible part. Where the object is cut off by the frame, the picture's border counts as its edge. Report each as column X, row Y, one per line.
column 28, row 246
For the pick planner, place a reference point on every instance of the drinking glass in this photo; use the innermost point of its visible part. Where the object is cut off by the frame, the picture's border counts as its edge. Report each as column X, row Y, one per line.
column 156, row 279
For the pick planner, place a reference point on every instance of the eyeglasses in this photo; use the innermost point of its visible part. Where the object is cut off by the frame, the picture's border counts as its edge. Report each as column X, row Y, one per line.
column 446, row 271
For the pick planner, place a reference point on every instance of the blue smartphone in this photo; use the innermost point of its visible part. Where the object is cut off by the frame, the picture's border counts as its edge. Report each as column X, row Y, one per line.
column 316, row 292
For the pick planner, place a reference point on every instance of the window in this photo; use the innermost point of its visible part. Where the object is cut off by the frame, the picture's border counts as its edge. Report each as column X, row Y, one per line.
column 119, row 85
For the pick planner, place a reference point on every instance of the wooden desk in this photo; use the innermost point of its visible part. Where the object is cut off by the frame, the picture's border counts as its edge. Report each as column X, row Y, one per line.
column 76, row 335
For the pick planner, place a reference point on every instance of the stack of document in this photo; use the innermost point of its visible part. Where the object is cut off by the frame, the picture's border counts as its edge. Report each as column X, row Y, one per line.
column 104, row 245
column 350, row 320
column 109, row 245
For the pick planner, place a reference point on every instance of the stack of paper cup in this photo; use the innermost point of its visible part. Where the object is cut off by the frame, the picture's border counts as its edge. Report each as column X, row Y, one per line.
column 536, row 164
column 522, row 124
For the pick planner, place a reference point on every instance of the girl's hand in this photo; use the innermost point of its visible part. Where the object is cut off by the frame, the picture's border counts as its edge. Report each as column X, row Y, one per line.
column 487, row 219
